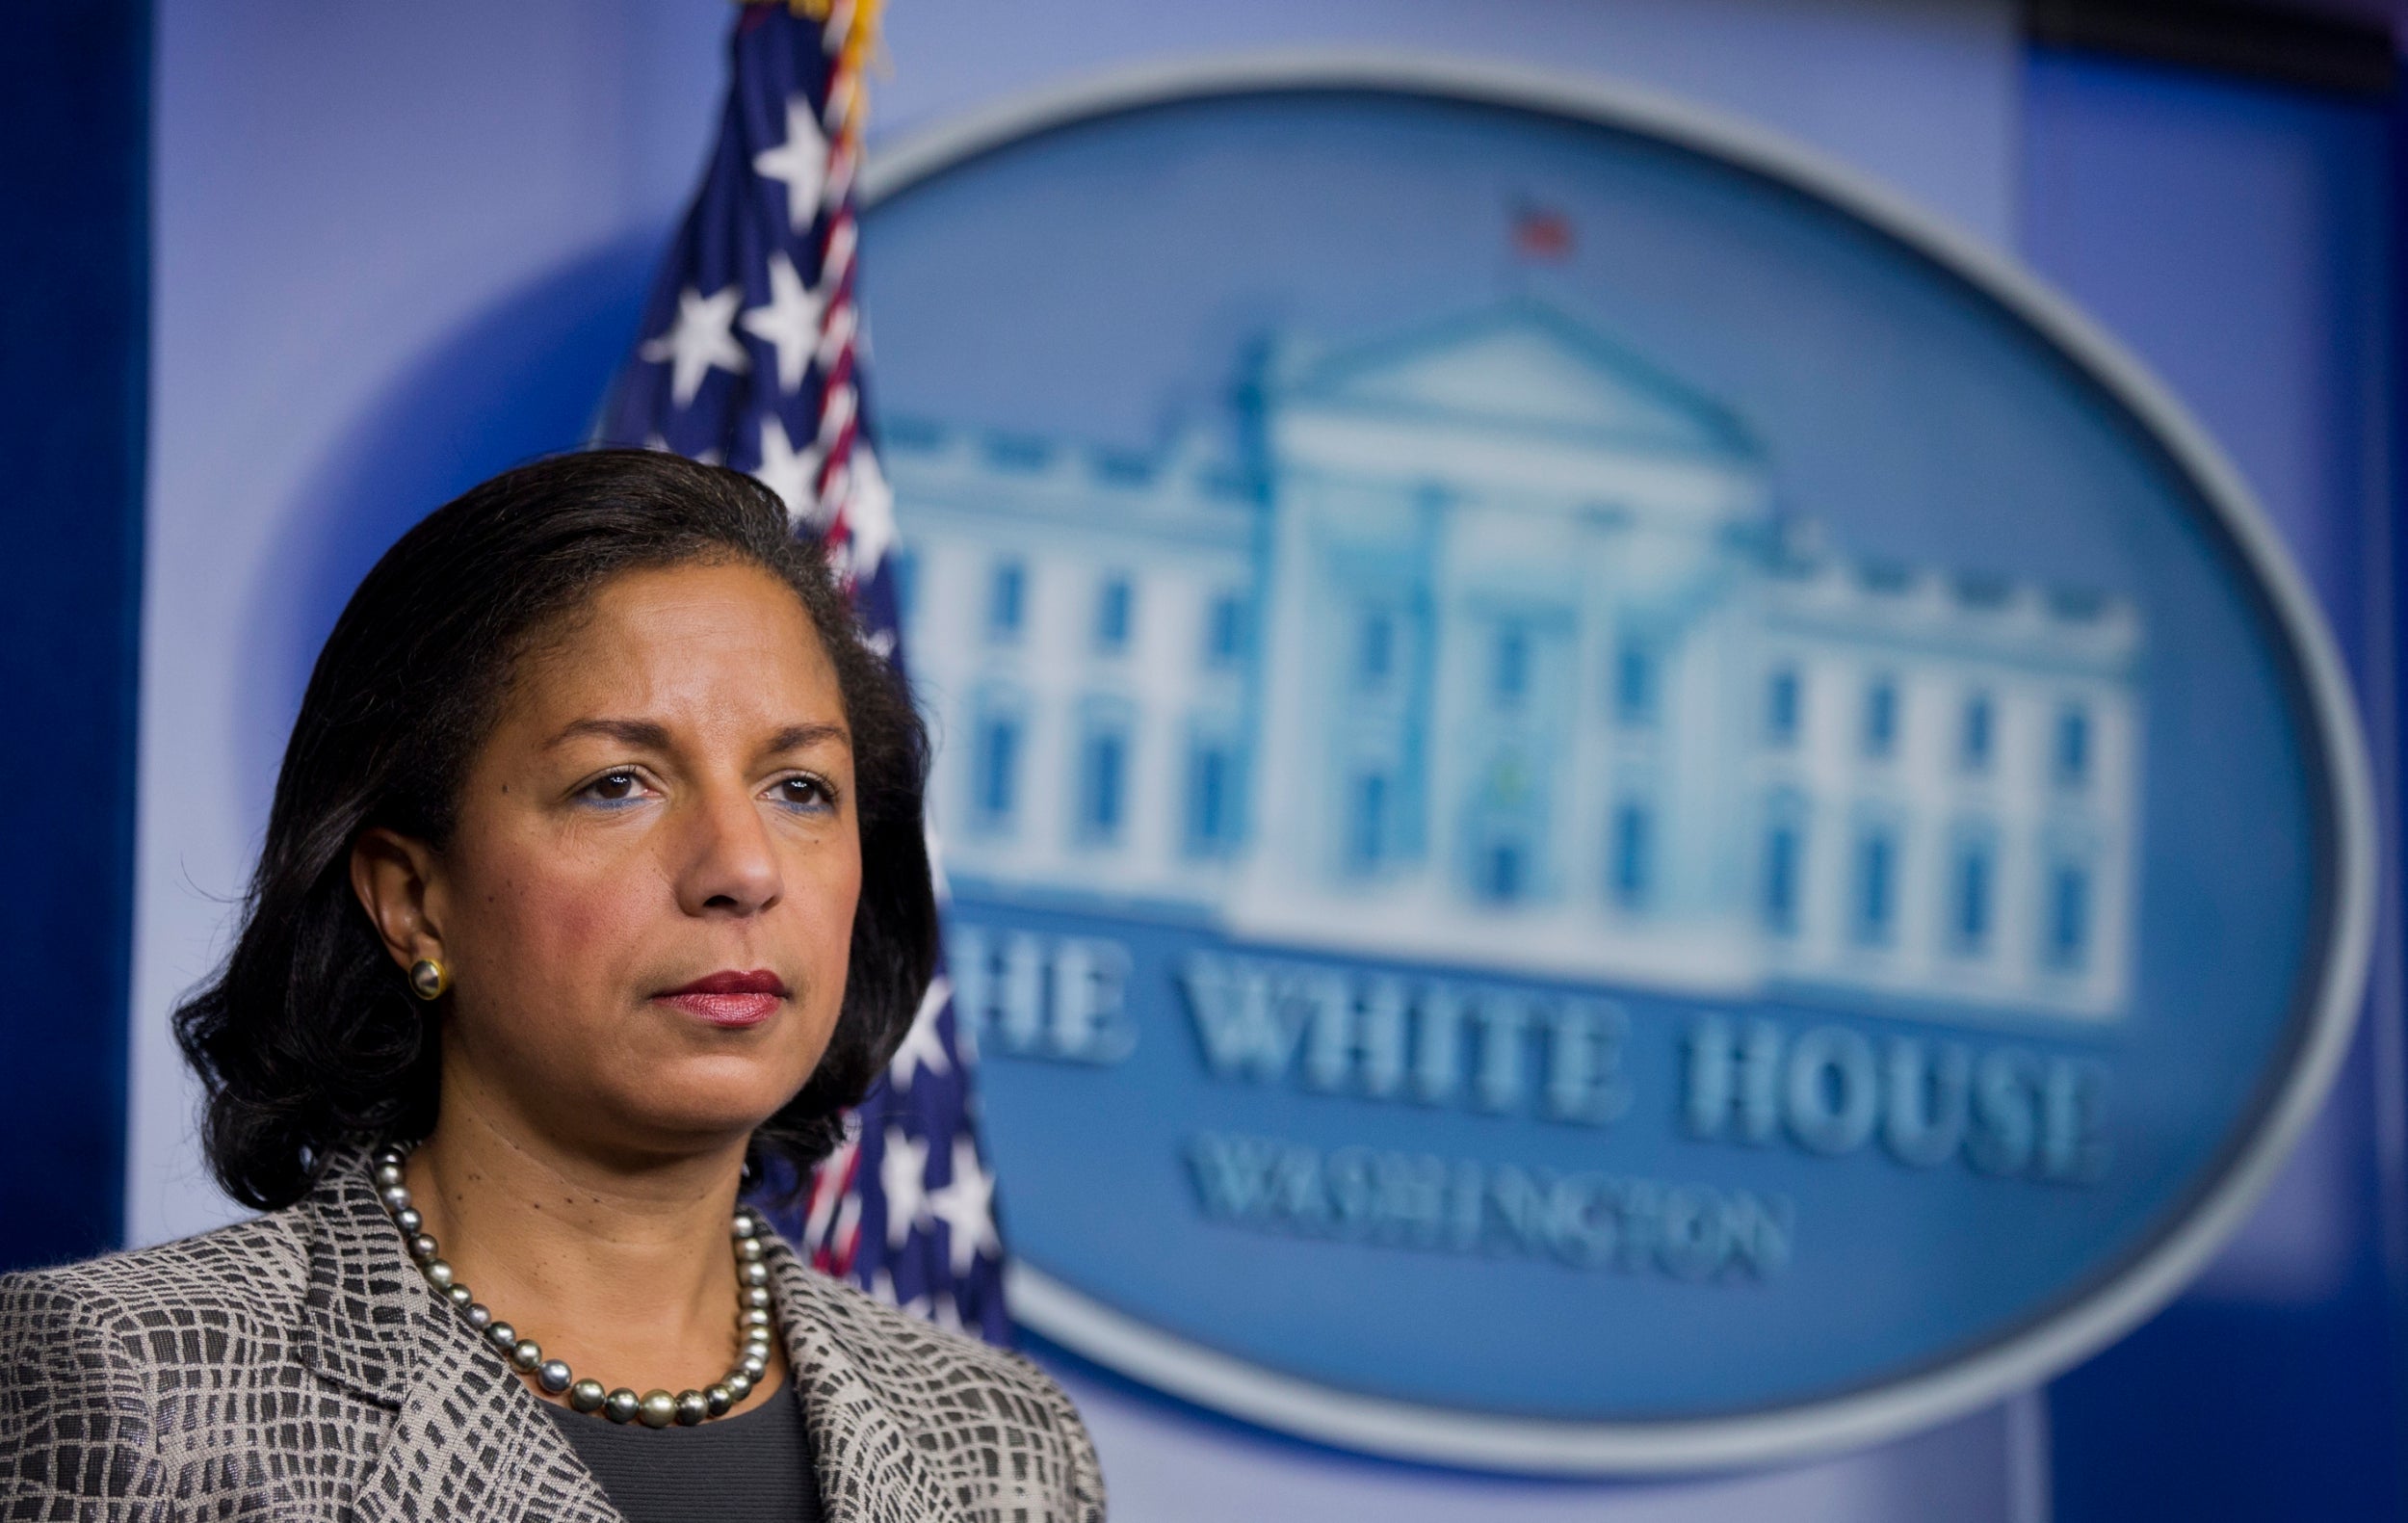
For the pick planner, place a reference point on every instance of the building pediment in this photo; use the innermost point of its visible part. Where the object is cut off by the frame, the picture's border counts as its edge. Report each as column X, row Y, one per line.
column 1522, row 366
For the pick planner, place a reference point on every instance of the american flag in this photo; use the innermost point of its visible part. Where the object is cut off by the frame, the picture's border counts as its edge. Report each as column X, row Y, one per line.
column 750, row 356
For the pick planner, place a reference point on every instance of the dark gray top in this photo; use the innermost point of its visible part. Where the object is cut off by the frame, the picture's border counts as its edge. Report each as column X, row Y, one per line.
column 754, row 1467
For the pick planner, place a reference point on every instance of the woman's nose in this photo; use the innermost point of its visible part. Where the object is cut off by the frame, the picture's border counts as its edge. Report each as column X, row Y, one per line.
column 730, row 863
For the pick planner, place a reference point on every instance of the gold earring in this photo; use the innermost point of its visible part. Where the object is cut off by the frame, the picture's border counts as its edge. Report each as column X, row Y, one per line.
column 428, row 979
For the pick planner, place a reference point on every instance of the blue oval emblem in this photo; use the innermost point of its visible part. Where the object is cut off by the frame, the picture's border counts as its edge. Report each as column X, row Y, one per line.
column 1608, row 806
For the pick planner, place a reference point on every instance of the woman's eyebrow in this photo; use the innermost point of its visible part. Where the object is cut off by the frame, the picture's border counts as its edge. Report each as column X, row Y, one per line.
column 647, row 734
column 802, row 737
column 652, row 735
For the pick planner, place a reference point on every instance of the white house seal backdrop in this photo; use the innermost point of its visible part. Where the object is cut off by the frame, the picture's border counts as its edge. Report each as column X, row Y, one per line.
column 1608, row 806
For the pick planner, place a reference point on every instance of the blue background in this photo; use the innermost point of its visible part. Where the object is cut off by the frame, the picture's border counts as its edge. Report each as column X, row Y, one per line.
column 75, row 309
column 2243, row 239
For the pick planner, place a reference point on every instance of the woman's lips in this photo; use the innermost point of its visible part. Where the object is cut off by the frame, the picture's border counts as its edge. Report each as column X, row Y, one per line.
column 732, row 1000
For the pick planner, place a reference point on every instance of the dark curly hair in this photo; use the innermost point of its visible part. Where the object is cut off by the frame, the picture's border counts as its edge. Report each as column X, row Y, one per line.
column 308, row 1039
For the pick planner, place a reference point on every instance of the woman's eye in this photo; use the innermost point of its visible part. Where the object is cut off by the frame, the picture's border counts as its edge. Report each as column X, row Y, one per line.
column 618, row 787
column 806, row 793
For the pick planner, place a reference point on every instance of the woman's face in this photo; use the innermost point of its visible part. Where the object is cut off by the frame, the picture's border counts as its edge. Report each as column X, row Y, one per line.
column 647, row 902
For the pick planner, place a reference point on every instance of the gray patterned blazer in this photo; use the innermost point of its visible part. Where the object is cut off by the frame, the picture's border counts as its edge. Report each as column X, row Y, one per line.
column 296, row 1366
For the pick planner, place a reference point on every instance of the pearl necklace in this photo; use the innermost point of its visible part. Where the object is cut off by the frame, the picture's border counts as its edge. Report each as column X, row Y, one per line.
column 655, row 1408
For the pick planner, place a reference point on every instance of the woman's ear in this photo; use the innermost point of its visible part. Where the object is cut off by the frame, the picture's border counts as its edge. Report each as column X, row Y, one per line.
column 393, row 875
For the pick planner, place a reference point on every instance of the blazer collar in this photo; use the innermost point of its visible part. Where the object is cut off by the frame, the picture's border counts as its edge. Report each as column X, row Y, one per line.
column 369, row 1315
column 867, row 1425
column 470, row 1442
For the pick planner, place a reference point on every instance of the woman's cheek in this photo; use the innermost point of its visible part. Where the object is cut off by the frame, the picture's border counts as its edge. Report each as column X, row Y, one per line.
column 572, row 923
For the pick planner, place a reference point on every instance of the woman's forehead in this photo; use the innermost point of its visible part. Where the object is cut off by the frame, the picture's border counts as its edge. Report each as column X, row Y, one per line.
column 728, row 641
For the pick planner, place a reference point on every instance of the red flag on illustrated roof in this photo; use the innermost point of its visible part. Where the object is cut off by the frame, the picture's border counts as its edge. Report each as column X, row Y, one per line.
column 1541, row 234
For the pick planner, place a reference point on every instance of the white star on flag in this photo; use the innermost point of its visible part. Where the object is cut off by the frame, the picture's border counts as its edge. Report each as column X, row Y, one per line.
column 790, row 322
column 882, row 1287
column 903, row 1174
column 784, row 470
column 923, row 1045
column 801, row 162
column 704, row 336
column 966, row 1207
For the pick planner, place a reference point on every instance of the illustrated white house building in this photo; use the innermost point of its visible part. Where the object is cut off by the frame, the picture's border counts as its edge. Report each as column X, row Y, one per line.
column 1487, row 648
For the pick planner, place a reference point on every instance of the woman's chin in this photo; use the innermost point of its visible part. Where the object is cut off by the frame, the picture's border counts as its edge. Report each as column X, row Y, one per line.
column 706, row 1101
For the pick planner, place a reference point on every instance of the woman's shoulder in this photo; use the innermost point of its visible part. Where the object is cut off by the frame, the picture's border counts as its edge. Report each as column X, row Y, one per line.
column 964, row 1393
column 251, row 1270
column 897, row 1342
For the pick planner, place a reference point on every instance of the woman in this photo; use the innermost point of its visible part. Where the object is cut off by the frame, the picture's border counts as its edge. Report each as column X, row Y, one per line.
column 594, row 880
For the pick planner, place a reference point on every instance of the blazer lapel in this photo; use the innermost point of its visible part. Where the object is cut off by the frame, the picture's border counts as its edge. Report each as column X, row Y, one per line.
column 865, row 1436
column 468, row 1441
column 469, row 1444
